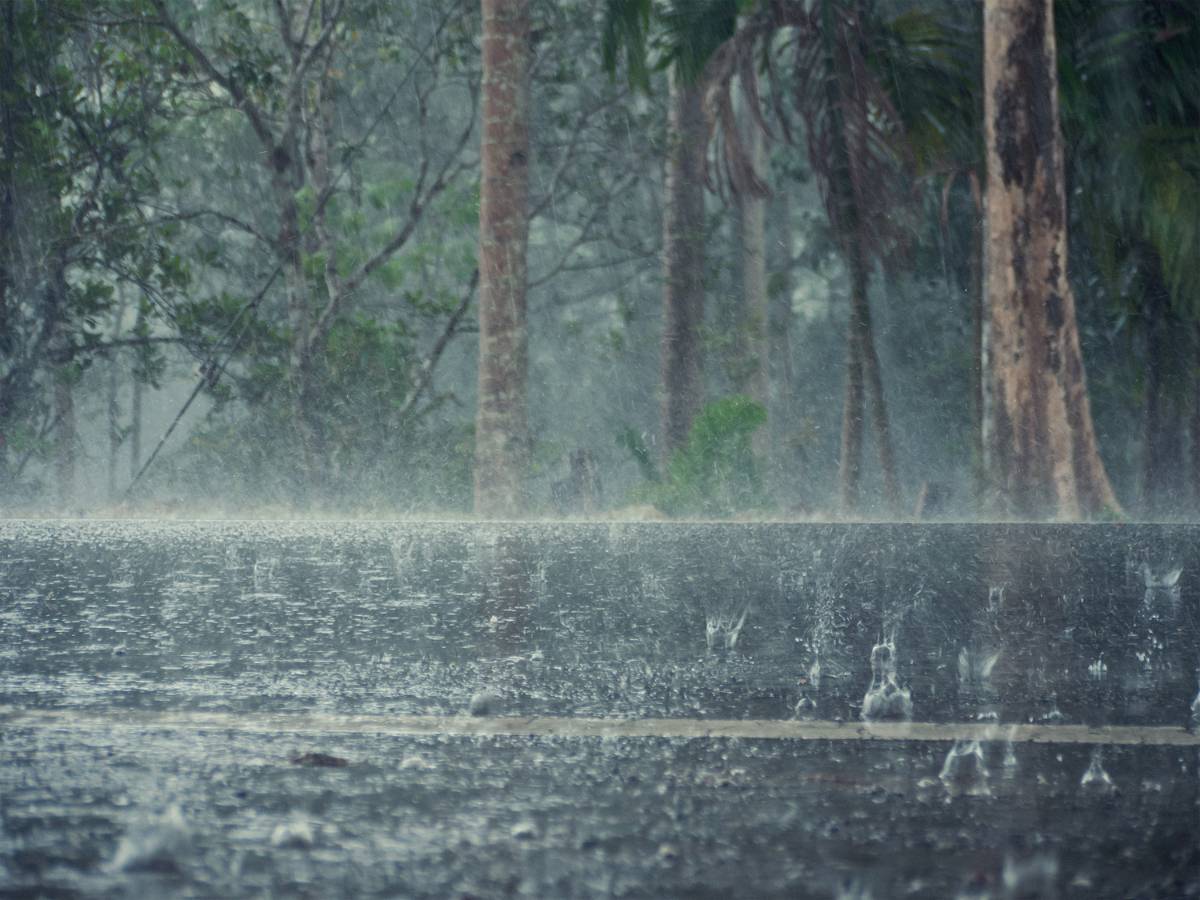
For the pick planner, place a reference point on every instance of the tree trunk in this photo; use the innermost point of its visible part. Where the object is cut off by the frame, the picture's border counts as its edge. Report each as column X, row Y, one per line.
column 135, row 414
column 502, row 428
column 782, row 481
column 65, row 439
column 683, row 265
column 1194, row 435
column 114, row 427
column 1042, row 454
column 752, row 221
column 880, row 426
column 135, row 430
column 850, row 459
column 975, row 296
column 1167, row 345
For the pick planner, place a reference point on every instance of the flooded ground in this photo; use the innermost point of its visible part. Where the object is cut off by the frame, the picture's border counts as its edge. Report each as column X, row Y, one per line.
column 162, row 684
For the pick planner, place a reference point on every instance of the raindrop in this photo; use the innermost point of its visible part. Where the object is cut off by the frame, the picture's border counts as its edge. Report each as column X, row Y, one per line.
column 1096, row 779
column 722, row 630
column 298, row 833
column 1033, row 877
column 885, row 699
column 524, row 831
column 1194, row 720
column 1010, row 752
column 965, row 770
column 155, row 846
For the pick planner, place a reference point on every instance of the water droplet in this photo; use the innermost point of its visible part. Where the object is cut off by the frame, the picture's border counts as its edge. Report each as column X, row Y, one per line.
column 885, row 699
column 524, row 831
column 965, row 770
column 1096, row 779
column 1033, row 877
column 154, row 846
column 722, row 630
column 298, row 833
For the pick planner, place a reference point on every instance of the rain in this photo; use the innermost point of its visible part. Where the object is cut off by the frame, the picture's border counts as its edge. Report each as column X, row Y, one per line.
column 658, row 448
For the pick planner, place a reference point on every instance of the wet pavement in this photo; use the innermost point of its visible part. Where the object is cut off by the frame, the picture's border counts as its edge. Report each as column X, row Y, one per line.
column 160, row 681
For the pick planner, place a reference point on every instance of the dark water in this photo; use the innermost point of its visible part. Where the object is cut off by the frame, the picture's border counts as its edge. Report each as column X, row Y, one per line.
column 1008, row 624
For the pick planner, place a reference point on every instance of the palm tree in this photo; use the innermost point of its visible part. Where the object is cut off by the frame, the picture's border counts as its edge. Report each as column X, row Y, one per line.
column 854, row 136
column 1130, row 77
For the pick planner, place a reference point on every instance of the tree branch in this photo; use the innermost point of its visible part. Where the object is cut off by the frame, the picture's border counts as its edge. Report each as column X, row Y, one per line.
column 424, row 372
column 249, row 108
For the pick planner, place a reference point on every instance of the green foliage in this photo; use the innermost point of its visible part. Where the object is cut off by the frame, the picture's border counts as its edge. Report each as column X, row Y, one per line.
column 714, row 474
column 679, row 33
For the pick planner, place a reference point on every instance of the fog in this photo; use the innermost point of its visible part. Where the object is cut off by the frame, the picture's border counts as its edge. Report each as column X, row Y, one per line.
column 540, row 448
column 321, row 300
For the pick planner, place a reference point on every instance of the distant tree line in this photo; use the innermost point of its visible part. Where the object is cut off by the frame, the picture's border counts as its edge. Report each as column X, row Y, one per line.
column 407, row 255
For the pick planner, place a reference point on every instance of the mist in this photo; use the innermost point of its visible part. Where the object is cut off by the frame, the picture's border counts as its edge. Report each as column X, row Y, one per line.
column 312, row 272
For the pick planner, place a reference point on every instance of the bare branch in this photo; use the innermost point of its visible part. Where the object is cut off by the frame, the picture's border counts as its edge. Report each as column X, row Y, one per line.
column 416, row 210
column 424, row 372
column 585, row 231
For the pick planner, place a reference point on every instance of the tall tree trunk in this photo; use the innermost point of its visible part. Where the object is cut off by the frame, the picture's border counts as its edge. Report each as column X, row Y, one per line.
column 135, row 430
column 975, row 296
column 65, row 438
column 683, row 266
column 752, row 222
column 135, row 414
column 1167, row 345
column 880, row 426
column 1042, row 452
column 864, row 381
column 114, row 427
column 850, row 459
column 1194, row 435
column 9, row 113
column 502, row 427
column 782, row 481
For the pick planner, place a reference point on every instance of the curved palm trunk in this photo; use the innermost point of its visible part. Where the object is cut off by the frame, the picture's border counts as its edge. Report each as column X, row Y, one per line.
column 501, row 426
column 880, row 425
column 752, row 221
column 1042, row 454
column 683, row 267
column 863, row 378
column 850, row 459
column 1167, row 346
column 781, row 401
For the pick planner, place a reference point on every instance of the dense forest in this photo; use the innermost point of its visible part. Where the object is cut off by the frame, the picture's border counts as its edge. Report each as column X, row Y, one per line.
column 784, row 258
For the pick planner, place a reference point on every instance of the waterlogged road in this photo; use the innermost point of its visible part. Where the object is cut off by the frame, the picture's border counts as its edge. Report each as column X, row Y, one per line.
column 170, row 691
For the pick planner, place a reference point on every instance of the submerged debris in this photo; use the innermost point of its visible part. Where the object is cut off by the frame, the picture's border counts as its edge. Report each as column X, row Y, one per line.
column 319, row 760
column 524, row 831
column 484, row 703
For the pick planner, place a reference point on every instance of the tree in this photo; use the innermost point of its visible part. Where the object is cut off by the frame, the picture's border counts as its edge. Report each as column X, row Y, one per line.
column 1130, row 78
column 1042, row 454
column 81, row 117
column 501, row 431
column 683, row 265
column 282, row 76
